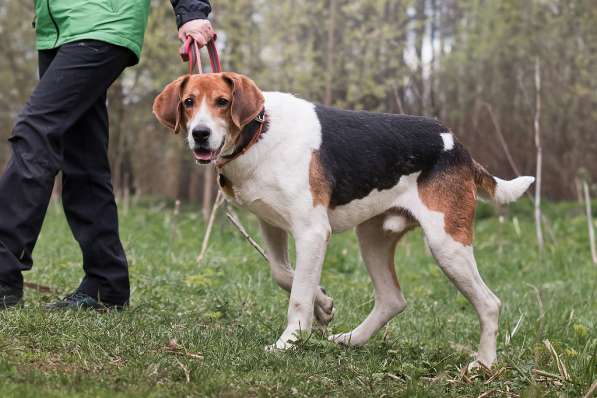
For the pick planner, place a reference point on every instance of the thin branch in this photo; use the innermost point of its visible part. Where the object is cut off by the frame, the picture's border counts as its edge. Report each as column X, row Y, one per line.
column 234, row 220
column 208, row 184
column 501, row 138
column 398, row 100
column 212, row 217
column 537, row 128
column 589, row 212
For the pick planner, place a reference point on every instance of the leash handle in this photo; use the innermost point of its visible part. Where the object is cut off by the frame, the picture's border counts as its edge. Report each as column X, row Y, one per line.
column 190, row 52
column 214, row 56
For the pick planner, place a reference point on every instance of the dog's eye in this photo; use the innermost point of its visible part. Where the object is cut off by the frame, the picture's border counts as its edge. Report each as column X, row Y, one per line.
column 189, row 102
column 222, row 102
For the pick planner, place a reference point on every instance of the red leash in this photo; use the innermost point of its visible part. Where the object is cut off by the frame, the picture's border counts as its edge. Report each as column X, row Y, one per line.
column 190, row 52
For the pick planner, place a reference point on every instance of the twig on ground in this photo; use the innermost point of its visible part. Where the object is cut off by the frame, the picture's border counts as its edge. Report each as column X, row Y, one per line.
column 592, row 390
column 511, row 334
column 561, row 366
column 394, row 377
column 187, row 373
column 234, row 220
column 488, row 393
column 212, row 217
column 386, row 332
column 40, row 288
column 496, row 374
column 174, row 348
column 548, row 375
column 463, row 375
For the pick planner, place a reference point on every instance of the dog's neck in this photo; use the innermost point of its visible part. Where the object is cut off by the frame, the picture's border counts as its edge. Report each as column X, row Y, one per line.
column 249, row 136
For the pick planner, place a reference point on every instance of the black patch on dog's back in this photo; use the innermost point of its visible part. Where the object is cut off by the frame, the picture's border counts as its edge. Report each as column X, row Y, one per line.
column 363, row 151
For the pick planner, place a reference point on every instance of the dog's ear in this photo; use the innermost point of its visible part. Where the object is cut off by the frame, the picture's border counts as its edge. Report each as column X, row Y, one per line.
column 247, row 99
column 167, row 107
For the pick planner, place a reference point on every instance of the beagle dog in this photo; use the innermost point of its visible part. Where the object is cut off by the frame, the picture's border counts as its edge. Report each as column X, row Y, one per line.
column 310, row 170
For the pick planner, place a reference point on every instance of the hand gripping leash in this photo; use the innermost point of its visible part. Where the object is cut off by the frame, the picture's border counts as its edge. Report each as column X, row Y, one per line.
column 189, row 52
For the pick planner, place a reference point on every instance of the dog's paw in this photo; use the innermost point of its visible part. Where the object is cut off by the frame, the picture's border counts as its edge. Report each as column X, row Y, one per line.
column 325, row 311
column 287, row 341
column 473, row 366
column 347, row 339
column 480, row 364
column 280, row 346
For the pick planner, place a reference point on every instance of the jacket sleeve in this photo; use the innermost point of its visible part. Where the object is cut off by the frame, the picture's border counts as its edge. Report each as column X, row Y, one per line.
column 187, row 10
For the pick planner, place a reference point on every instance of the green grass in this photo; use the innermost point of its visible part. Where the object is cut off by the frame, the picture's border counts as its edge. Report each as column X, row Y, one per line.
column 228, row 309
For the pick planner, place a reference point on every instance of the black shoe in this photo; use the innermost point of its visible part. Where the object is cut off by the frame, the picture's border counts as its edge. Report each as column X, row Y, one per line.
column 10, row 296
column 82, row 301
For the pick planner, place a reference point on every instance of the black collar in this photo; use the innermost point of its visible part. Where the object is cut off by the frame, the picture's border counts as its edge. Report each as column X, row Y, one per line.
column 249, row 135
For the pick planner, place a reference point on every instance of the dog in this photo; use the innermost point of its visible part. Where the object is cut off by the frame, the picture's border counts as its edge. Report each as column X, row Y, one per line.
column 310, row 170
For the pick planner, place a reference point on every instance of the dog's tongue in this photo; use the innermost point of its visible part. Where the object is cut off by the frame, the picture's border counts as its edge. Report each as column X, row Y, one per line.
column 204, row 156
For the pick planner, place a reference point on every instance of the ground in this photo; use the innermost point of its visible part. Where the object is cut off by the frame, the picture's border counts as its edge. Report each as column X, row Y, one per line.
column 201, row 330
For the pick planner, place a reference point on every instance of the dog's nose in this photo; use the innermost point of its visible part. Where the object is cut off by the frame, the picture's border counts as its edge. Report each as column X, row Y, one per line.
column 201, row 133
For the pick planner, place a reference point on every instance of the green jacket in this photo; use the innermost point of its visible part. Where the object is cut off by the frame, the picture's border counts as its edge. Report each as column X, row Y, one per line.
column 118, row 22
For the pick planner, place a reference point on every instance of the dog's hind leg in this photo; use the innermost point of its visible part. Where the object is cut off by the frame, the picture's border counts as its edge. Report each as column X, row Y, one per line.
column 276, row 240
column 377, row 239
column 458, row 263
column 445, row 208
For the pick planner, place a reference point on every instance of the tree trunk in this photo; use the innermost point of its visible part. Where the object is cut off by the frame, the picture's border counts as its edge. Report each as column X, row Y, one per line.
column 420, row 23
column 331, row 49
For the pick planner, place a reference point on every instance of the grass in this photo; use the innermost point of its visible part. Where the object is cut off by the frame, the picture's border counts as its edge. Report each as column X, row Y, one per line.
column 223, row 313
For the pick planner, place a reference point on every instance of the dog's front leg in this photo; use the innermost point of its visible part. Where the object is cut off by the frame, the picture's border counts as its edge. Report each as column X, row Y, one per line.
column 276, row 240
column 311, row 245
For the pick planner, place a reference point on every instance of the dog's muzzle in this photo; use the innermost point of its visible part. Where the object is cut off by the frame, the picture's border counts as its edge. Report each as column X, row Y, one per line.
column 202, row 150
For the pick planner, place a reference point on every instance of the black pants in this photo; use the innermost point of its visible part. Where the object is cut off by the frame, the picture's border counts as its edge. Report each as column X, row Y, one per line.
column 64, row 126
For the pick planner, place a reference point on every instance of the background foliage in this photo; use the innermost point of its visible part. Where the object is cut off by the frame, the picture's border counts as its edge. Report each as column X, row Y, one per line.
column 457, row 60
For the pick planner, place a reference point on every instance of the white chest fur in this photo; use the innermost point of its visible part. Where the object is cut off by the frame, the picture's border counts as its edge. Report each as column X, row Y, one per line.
column 272, row 178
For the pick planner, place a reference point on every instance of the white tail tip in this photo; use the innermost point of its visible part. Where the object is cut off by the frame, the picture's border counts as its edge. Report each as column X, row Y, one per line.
column 509, row 191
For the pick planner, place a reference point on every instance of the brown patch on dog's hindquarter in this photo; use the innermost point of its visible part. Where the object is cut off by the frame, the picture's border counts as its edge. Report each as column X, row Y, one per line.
column 320, row 185
column 453, row 193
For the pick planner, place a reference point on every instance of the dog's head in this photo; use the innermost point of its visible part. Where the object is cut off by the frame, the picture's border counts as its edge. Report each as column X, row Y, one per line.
column 211, row 109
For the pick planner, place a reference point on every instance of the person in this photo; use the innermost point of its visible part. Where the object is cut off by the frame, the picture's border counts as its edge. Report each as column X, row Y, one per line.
column 83, row 46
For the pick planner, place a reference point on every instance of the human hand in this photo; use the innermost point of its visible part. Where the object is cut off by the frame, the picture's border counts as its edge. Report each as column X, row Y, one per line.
column 199, row 29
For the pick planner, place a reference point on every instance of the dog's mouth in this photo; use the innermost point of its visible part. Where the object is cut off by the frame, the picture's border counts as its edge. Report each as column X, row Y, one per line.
column 205, row 155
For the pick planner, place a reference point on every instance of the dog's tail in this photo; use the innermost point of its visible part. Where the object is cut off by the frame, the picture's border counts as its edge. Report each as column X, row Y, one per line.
column 500, row 191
